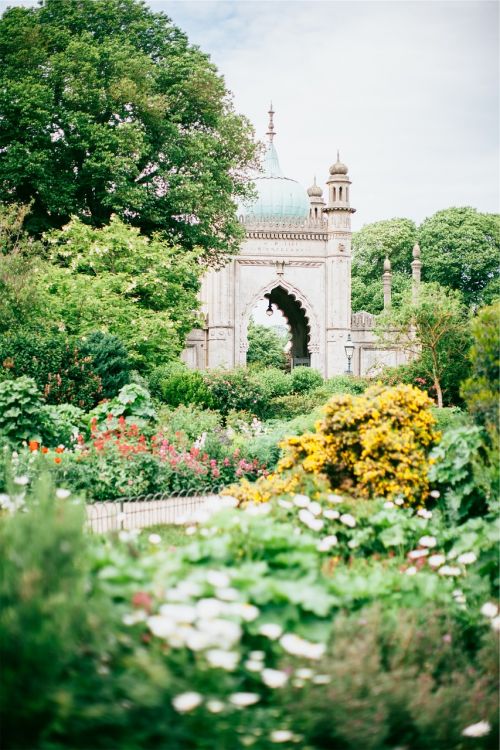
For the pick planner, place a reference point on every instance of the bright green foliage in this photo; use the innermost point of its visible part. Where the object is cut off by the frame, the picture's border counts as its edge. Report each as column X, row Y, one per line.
column 132, row 402
column 235, row 390
column 435, row 329
column 61, row 424
column 185, row 424
column 273, row 381
column 305, row 379
column 393, row 238
column 20, row 410
column 176, row 384
column 265, row 347
column 482, row 390
column 463, row 473
column 109, row 359
column 113, row 279
column 461, row 249
column 106, row 108
column 62, row 373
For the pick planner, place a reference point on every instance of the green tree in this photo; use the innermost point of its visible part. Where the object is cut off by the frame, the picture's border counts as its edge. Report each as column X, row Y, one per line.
column 433, row 329
column 482, row 390
column 371, row 244
column 461, row 249
column 106, row 108
column 266, row 347
column 116, row 280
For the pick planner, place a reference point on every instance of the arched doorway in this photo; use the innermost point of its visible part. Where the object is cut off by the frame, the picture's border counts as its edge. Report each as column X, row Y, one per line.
column 297, row 322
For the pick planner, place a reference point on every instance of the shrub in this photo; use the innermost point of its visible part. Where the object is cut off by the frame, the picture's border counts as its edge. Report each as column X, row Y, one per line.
column 110, row 361
column 132, row 402
column 274, row 382
column 61, row 424
column 176, row 384
column 482, row 390
column 236, row 390
column 266, row 347
column 20, row 411
column 185, row 424
column 305, row 379
column 62, row 374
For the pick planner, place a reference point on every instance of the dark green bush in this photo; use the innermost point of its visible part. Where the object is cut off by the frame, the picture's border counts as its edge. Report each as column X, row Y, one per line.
column 20, row 411
column 305, row 379
column 110, row 361
column 482, row 390
column 60, row 371
column 176, row 384
column 61, row 424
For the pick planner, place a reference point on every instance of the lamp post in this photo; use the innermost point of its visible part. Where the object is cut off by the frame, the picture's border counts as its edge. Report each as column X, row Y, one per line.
column 269, row 310
column 349, row 350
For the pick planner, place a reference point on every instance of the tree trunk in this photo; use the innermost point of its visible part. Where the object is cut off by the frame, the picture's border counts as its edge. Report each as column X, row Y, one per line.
column 439, row 392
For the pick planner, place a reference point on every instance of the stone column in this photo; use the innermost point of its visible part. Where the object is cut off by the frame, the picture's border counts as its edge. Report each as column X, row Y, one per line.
column 387, row 283
column 416, row 269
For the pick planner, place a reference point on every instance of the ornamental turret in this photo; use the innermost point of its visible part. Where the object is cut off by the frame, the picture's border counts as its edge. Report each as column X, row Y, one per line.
column 316, row 201
column 339, row 208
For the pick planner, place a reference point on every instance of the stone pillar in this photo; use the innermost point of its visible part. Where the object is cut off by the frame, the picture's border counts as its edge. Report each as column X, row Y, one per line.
column 416, row 269
column 219, row 289
column 387, row 283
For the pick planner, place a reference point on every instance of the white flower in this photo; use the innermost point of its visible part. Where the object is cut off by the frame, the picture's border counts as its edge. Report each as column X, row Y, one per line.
column 190, row 530
column 210, row 608
column 435, row 494
column 62, row 494
column 332, row 515
column 218, row 579
column 327, row 543
column 285, row 504
column 449, row 570
column 197, row 641
column 436, row 560
column 398, row 500
column 352, row 544
column 423, row 513
column 128, row 536
column 305, row 673
column 221, row 631
column 186, row 702
column 259, row 655
column 495, row 624
column 315, row 508
column 297, row 646
column 223, row 659
column 178, row 612
column 215, row 706
column 228, row 595
column 389, row 504
column 154, row 538
column 21, row 480
column 480, row 729
column 132, row 618
column 241, row 700
column 489, row 610
column 281, row 735
column 427, row 541
column 348, row 520
column 321, row 679
column 411, row 571
column 301, row 501
column 332, row 498
column 467, row 558
column 417, row 553
column 274, row 678
column 160, row 626
column 247, row 612
column 254, row 665
column 271, row 630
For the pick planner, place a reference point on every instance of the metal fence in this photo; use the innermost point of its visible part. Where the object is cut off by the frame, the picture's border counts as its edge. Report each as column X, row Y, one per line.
column 182, row 507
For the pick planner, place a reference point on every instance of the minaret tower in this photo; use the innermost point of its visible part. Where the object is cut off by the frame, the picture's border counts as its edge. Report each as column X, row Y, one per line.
column 338, row 283
column 317, row 204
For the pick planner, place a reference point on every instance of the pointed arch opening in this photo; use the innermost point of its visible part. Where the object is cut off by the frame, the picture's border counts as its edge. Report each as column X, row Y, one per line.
column 297, row 323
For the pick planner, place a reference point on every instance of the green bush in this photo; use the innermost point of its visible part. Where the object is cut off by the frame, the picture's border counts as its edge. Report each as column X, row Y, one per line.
column 110, row 361
column 185, row 424
column 273, row 382
column 20, row 411
column 346, row 384
column 61, row 424
column 175, row 384
column 482, row 390
column 236, row 390
column 133, row 402
column 266, row 347
column 305, row 379
column 59, row 369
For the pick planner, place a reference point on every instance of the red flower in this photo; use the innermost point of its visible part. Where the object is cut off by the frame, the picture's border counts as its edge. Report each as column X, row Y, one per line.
column 33, row 445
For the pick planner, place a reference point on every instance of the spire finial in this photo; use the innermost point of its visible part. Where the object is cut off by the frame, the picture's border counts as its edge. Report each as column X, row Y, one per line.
column 270, row 133
column 338, row 154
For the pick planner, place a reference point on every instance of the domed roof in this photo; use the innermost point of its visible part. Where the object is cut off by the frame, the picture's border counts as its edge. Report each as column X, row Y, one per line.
column 315, row 191
column 338, row 167
column 278, row 197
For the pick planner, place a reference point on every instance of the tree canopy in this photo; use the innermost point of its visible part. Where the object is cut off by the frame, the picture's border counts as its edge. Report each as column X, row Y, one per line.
column 105, row 108
column 460, row 249
column 266, row 347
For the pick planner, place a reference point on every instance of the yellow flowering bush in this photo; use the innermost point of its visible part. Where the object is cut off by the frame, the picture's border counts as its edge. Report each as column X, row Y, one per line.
column 371, row 445
column 297, row 480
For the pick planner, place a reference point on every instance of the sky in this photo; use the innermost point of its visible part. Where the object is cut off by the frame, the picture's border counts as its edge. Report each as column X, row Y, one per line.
column 408, row 91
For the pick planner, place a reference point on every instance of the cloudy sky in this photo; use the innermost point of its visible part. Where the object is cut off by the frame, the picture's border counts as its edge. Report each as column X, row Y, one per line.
column 409, row 92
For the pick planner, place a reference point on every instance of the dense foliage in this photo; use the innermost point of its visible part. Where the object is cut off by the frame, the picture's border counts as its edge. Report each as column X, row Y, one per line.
column 266, row 347
column 482, row 389
column 106, row 108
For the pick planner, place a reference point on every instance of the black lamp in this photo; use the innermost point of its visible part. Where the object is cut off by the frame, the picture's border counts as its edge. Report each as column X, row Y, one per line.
column 269, row 310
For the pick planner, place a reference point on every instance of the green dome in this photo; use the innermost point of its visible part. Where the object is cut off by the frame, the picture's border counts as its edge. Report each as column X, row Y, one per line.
column 279, row 197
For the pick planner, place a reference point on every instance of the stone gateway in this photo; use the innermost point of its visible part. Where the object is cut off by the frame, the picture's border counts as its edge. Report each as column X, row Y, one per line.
column 297, row 256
